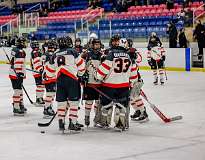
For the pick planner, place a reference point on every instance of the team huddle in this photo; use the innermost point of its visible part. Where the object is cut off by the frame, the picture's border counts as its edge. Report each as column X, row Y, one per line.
column 107, row 80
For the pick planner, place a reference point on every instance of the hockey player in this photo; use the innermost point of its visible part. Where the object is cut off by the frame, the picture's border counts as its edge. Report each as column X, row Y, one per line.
column 37, row 66
column 69, row 67
column 91, row 38
column 90, row 96
column 18, row 56
column 49, row 78
column 140, row 114
column 154, row 41
column 156, row 58
column 116, row 72
column 78, row 46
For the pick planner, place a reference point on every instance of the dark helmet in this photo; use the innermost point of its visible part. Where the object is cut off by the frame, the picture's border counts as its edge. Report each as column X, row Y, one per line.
column 21, row 42
column 115, row 37
column 34, row 44
column 77, row 40
column 52, row 44
column 130, row 42
column 96, row 41
column 65, row 42
column 69, row 42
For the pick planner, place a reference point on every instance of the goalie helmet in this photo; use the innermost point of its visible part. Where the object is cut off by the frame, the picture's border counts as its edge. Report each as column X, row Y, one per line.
column 115, row 38
column 123, row 43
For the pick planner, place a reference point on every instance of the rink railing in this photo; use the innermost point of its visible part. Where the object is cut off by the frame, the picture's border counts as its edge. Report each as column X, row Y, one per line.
column 177, row 59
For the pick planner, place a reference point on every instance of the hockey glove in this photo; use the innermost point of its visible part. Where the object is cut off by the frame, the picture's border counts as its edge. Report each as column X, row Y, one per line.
column 44, row 76
column 41, row 71
column 20, row 75
column 102, row 58
column 150, row 62
column 61, row 61
column 163, row 58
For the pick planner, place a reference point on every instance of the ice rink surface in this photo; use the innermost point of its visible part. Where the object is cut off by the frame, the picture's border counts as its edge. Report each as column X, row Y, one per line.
column 183, row 94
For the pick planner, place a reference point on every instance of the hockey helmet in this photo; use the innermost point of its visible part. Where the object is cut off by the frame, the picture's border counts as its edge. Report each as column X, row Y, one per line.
column 130, row 42
column 123, row 43
column 34, row 44
column 21, row 42
column 93, row 36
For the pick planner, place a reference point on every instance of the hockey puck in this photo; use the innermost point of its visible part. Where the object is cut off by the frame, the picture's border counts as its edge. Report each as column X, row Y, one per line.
column 42, row 131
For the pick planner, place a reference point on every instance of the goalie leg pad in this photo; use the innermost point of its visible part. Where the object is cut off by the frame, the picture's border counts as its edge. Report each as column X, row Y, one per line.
column 105, row 110
column 98, row 112
column 120, row 115
column 109, row 116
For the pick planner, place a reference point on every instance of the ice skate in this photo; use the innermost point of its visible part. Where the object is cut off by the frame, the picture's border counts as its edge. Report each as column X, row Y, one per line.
column 87, row 120
column 135, row 115
column 18, row 112
column 48, row 112
column 143, row 117
column 61, row 125
column 73, row 127
column 39, row 102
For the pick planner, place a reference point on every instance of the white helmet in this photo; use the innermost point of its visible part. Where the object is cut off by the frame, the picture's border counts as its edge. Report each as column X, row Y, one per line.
column 123, row 43
column 93, row 36
column 153, row 34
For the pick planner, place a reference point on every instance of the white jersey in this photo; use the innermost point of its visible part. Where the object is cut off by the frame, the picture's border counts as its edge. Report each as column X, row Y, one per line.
column 156, row 53
column 117, row 71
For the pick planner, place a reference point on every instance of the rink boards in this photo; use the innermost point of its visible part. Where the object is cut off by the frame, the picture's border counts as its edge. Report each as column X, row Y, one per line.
column 177, row 59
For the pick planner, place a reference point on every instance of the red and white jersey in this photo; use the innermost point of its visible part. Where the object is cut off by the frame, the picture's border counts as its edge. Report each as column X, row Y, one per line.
column 92, row 59
column 36, row 62
column 73, row 65
column 117, row 71
column 18, row 61
column 156, row 53
column 49, row 72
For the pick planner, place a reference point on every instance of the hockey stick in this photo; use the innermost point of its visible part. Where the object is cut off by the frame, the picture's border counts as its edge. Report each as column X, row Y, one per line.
column 109, row 98
column 18, row 77
column 165, row 72
column 48, row 123
column 28, row 69
column 158, row 112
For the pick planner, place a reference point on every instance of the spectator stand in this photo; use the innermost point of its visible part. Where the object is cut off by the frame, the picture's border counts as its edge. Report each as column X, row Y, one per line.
column 31, row 16
column 198, row 12
column 9, row 25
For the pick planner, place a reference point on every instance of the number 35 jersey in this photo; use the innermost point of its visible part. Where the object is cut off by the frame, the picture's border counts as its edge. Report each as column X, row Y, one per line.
column 117, row 71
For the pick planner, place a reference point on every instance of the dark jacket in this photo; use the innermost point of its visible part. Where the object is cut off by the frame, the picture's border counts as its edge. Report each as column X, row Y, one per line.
column 182, row 40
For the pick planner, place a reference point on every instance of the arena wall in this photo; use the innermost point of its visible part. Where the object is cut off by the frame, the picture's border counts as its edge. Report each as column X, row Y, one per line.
column 177, row 59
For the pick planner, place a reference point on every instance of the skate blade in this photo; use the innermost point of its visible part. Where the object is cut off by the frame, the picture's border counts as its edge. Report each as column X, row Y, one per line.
column 19, row 115
column 116, row 129
column 38, row 105
column 140, row 121
column 72, row 131
column 47, row 117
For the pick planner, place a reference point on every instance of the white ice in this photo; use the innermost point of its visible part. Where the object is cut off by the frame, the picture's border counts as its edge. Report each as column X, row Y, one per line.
column 183, row 94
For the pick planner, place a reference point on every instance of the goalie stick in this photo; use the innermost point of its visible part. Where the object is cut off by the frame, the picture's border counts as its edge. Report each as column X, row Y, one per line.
column 158, row 112
column 17, row 76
